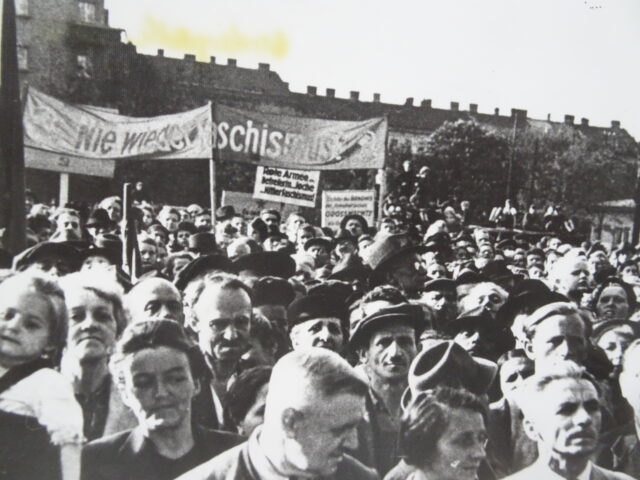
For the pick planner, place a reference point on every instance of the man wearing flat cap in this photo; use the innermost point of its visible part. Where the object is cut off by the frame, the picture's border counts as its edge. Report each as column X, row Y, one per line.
column 440, row 296
column 317, row 321
column 385, row 342
column 475, row 330
column 394, row 260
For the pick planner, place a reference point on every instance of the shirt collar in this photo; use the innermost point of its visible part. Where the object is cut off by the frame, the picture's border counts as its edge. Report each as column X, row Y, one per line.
column 262, row 465
column 549, row 474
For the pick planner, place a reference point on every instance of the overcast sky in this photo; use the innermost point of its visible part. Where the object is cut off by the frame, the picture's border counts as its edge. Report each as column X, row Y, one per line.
column 578, row 57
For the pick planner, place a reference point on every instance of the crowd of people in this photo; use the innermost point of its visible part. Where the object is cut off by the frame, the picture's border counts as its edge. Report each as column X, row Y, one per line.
column 272, row 348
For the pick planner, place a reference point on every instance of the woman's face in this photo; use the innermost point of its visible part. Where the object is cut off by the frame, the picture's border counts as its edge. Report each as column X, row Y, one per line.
column 613, row 304
column 255, row 416
column 158, row 387
column 147, row 218
column 92, row 325
column 461, row 448
column 614, row 342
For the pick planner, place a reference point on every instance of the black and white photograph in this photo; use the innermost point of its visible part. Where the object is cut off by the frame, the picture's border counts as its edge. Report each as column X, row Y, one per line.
column 319, row 240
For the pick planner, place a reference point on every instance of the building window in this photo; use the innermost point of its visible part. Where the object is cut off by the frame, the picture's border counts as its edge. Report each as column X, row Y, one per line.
column 85, row 66
column 87, row 12
column 22, row 7
column 23, row 58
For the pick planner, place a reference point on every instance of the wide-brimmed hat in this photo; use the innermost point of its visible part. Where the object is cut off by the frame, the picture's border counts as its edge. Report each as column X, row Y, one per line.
column 266, row 264
column 381, row 252
column 201, row 265
column 477, row 317
column 203, row 243
column 350, row 268
column 63, row 250
column 439, row 284
column 530, row 294
column 447, row 363
column 404, row 313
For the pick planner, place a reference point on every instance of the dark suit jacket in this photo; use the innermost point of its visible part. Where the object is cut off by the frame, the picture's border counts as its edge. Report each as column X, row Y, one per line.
column 129, row 455
column 537, row 472
column 234, row 464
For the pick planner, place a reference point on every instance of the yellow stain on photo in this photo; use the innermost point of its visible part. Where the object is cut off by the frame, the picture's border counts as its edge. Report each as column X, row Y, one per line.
column 157, row 33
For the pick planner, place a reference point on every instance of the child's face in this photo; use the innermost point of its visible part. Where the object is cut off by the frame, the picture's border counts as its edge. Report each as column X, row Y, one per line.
column 25, row 330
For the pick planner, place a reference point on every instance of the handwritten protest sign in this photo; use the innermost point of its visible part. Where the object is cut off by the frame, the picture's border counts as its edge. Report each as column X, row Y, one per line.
column 297, row 187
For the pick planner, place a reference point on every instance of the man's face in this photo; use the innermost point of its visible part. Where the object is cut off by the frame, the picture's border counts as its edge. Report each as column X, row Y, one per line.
column 203, row 222
column 92, row 325
column 319, row 332
column 344, row 248
column 462, row 446
column 407, row 273
column 597, row 261
column 271, row 244
column 114, row 210
column 158, row 387
column 486, row 252
column 239, row 224
column 613, row 304
column 326, row 430
column 554, row 243
column 155, row 301
column 558, row 338
column 566, row 419
column 354, row 227
column 535, row 259
column 436, row 270
column 630, row 379
column 443, row 303
column 148, row 254
column 271, row 220
column 630, row 271
column 302, row 236
column 223, row 322
column 513, row 372
column 488, row 297
column 170, row 221
column 69, row 225
column 536, row 272
column 574, row 278
column 182, row 238
column 390, row 352
column 319, row 254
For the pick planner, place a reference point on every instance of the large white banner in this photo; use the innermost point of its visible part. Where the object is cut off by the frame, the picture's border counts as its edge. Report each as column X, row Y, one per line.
column 336, row 204
column 297, row 187
column 53, row 126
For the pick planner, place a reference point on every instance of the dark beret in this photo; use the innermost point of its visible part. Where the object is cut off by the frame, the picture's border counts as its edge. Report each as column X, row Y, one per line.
column 311, row 307
column 272, row 291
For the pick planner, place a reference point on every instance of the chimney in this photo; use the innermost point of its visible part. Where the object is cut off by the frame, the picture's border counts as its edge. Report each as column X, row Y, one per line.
column 548, row 117
column 455, row 106
column 189, row 57
column 426, row 103
column 584, row 122
column 376, row 98
column 496, row 111
column 312, row 90
column 518, row 113
column 265, row 67
column 161, row 52
column 232, row 62
column 354, row 95
column 408, row 102
column 569, row 119
column 473, row 107
column 615, row 123
column 331, row 92
column 212, row 59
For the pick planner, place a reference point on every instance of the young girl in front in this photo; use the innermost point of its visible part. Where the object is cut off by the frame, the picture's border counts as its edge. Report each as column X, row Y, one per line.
column 34, row 398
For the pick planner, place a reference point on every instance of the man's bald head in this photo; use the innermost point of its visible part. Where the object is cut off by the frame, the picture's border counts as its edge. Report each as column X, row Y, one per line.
column 154, row 299
column 317, row 373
